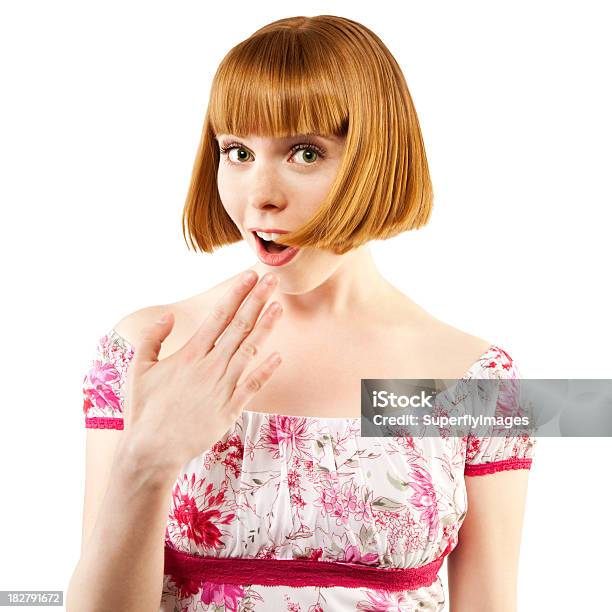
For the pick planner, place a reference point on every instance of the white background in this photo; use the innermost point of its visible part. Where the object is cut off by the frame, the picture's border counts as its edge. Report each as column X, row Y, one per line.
column 102, row 108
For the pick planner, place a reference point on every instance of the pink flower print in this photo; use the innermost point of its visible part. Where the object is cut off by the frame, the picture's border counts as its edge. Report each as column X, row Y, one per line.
column 291, row 605
column 232, row 459
column 86, row 403
column 505, row 359
column 197, row 515
column 384, row 601
column 293, row 480
column 185, row 587
column 473, row 446
column 339, row 502
column 227, row 595
column 424, row 499
column 312, row 554
column 97, row 387
column 362, row 512
column 118, row 353
column 195, row 524
column 349, row 497
column 267, row 552
column 331, row 504
column 352, row 554
column 335, row 501
column 288, row 433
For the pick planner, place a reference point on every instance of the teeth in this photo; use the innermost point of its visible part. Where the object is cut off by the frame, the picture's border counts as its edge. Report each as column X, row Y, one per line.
column 267, row 236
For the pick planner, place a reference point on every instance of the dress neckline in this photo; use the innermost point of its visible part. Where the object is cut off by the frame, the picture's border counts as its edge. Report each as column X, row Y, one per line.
column 117, row 336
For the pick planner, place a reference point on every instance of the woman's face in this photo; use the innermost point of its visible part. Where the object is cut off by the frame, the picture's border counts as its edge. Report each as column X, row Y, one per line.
column 279, row 183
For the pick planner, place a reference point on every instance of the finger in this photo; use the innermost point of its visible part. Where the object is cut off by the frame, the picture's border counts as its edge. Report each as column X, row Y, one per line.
column 243, row 322
column 147, row 350
column 222, row 313
column 253, row 383
column 249, row 347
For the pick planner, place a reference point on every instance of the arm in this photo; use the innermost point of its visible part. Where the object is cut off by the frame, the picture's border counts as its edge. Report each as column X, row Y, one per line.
column 483, row 567
column 125, row 510
column 121, row 563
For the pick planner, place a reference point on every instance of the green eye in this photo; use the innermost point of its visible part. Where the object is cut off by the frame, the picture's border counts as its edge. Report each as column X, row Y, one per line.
column 243, row 154
column 310, row 155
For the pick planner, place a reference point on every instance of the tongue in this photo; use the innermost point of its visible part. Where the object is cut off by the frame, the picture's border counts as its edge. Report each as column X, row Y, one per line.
column 272, row 247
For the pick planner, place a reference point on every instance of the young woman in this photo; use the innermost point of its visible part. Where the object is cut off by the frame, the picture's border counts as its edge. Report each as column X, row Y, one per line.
column 225, row 466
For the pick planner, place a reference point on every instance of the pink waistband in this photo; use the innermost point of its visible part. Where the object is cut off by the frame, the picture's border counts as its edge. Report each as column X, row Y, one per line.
column 298, row 572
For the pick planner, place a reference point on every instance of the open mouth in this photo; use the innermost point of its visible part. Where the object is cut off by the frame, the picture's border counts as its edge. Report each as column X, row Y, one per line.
column 269, row 245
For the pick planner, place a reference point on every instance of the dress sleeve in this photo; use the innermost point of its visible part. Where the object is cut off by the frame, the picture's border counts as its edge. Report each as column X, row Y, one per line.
column 104, row 383
column 489, row 454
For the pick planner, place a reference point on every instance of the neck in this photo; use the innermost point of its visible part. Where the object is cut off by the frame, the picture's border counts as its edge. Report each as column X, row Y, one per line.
column 354, row 285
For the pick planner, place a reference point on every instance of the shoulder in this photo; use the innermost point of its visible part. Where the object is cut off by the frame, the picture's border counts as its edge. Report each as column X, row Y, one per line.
column 132, row 325
column 445, row 349
column 481, row 358
column 189, row 313
column 458, row 351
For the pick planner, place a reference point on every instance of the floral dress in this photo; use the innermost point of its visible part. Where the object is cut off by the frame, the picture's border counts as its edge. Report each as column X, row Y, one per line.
column 311, row 490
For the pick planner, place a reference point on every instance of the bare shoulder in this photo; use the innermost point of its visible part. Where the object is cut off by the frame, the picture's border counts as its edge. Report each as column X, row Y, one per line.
column 455, row 350
column 443, row 347
column 460, row 349
column 189, row 313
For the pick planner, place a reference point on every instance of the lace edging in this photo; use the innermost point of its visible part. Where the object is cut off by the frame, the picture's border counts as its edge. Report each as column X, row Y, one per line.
column 103, row 423
column 513, row 463
column 297, row 572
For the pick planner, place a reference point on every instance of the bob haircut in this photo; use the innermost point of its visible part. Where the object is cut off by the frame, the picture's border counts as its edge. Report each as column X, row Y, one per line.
column 328, row 75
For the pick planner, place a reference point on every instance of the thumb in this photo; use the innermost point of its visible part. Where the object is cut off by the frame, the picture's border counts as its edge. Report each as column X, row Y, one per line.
column 153, row 335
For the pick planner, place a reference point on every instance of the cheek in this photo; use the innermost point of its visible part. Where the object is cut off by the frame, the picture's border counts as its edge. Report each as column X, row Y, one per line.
column 228, row 195
column 312, row 195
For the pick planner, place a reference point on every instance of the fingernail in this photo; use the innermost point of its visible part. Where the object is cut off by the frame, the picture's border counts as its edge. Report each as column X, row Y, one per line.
column 162, row 319
column 248, row 277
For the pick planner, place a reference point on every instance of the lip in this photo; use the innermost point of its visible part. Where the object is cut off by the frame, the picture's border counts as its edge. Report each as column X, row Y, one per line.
column 268, row 231
column 274, row 259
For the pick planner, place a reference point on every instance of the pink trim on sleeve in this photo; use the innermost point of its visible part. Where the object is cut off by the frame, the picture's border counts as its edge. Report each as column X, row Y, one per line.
column 103, row 423
column 513, row 463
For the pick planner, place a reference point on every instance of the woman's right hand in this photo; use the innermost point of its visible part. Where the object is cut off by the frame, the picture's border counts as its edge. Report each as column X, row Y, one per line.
column 180, row 406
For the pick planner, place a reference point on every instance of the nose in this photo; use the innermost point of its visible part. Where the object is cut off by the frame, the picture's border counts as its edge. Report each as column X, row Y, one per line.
column 265, row 191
